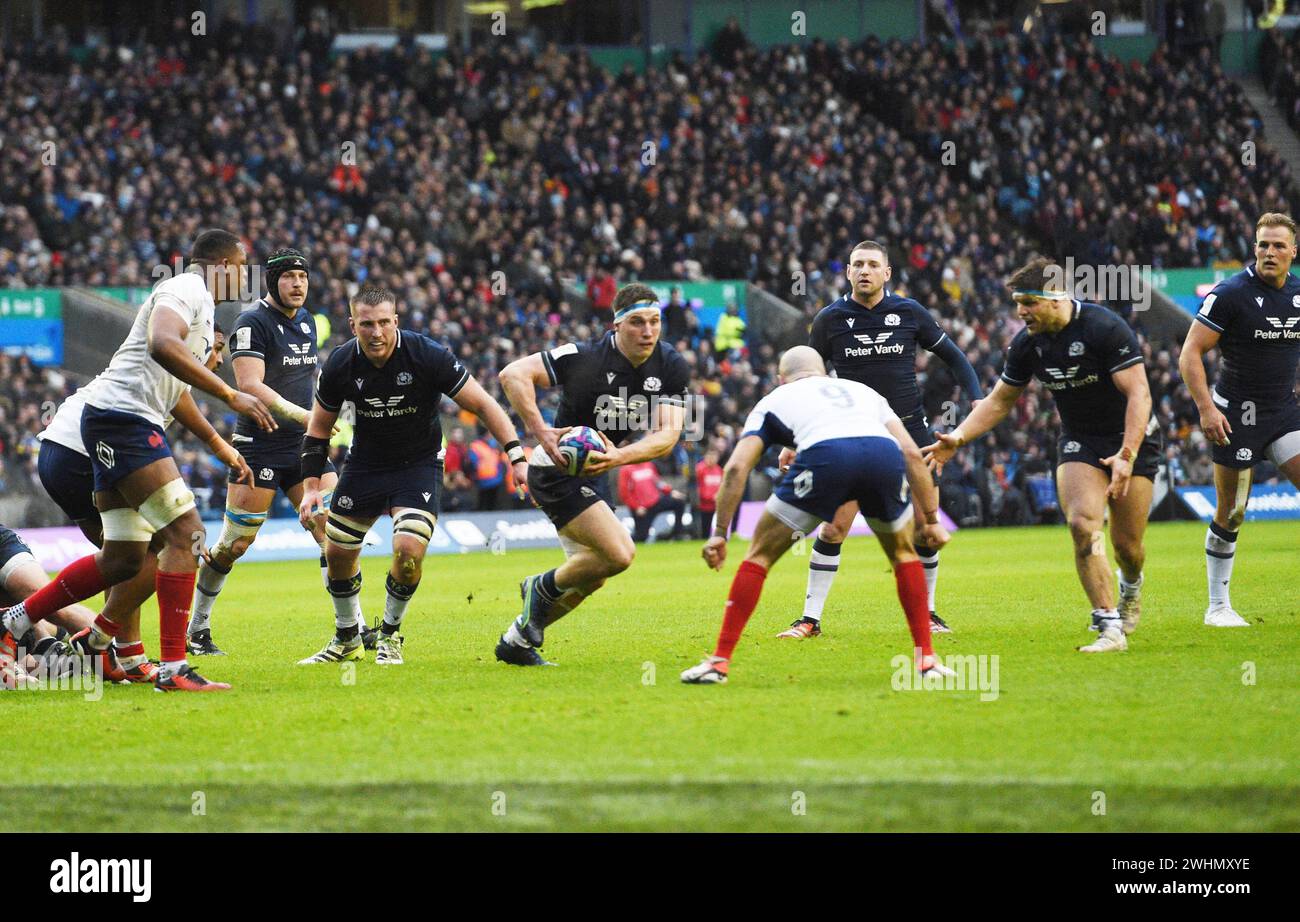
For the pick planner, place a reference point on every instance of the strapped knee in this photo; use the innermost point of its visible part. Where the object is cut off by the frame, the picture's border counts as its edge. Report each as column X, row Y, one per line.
column 238, row 523
column 415, row 523
column 125, row 525
column 344, row 532
column 167, row 504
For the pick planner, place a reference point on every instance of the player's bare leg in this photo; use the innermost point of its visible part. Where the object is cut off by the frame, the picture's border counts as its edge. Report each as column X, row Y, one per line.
column 1082, row 492
column 823, row 564
column 1231, row 490
column 597, row 546
column 1128, row 525
column 162, row 500
column 127, row 660
column 344, row 537
column 913, row 593
column 772, row 538
column 412, row 531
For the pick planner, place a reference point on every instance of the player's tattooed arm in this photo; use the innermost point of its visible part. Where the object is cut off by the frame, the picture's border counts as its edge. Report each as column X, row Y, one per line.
column 668, row 429
column 1191, row 365
column 186, row 412
column 167, row 332
column 987, row 414
column 520, row 380
column 744, row 457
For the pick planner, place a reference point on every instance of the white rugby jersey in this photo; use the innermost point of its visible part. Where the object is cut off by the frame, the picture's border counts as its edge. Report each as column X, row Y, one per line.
column 65, row 428
column 133, row 382
column 818, row 409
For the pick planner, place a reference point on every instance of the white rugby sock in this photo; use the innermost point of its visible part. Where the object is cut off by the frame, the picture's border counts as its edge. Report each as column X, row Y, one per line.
column 930, row 564
column 1129, row 590
column 346, row 595
column 16, row 620
column 207, row 587
column 823, row 564
column 397, row 598
column 1220, row 549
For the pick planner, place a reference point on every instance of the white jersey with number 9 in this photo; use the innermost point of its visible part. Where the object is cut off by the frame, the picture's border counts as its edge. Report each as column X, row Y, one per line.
column 817, row 409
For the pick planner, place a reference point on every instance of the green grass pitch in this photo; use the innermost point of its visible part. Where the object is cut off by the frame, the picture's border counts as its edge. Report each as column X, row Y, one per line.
column 1193, row 729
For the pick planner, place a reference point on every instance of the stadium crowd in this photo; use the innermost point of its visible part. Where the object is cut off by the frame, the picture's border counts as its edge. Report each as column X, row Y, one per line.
column 504, row 194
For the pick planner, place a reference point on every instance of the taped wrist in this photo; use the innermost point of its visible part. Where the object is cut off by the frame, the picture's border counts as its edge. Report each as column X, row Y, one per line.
column 515, row 452
column 315, row 451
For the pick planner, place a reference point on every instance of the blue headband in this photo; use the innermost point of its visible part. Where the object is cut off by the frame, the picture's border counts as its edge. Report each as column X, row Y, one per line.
column 1039, row 293
column 635, row 306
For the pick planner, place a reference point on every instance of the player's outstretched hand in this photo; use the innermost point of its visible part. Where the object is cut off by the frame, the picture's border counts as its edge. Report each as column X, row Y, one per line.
column 715, row 552
column 1215, row 426
column 1121, row 472
column 935, row 536
column 310, row 507
column 254, row 409
column 786, row 459
column 940, row 452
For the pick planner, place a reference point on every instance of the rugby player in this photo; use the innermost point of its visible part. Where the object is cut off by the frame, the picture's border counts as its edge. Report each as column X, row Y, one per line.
column 1252, row 412
column 852, row 447
column 871, row 335
column 625, row 384
column 1109, row 451
column 64, row 468
column 138, row 488
column 20, row 576
column 274, row 357
column 396, row 379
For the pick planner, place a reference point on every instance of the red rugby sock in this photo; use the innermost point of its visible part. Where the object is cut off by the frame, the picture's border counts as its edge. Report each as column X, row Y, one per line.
column 746, row 587
column 77, row 581
column 910, row 578
column 175, row 593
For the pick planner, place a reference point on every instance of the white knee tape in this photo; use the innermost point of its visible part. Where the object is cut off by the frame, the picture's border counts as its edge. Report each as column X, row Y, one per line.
column 415, row 523
column 1243, row 494
column 167, row 504
column 125, row 525
column 345, row 532
column 239, row 523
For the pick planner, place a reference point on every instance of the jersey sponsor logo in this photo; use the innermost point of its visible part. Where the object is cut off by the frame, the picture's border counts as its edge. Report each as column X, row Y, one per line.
column 404, row 378
column 1071, row 447
column 867, row 340
column 1066, row 375
column 1076, row 348
column 1066, row 379
column 343, row 502
column 105, row 454
column 379, row 403
column 299, row 348
column 652, row 383
column 1244, row 454
column 1283, row 328
column 892, row 320
column 874, row 345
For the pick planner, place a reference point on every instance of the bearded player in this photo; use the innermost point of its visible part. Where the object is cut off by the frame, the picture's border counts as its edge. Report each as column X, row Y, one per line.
column 1109, row 452
column 621, row 385
column 871, row 335
column 1252, row 412
column 273, row 351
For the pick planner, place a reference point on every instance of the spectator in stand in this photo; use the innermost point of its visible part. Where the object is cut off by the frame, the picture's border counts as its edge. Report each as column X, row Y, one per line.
column 679, row 321
column 487, row 465
column 708, row 479
column 601, row 288
column 457, row 489
column 730, row 334
column 646, row 495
